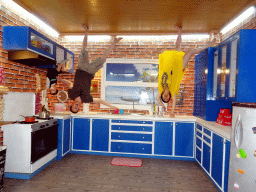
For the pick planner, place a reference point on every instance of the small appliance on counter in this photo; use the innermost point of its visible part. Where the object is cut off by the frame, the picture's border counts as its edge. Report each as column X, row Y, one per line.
column 224, row 117
column 62, row 97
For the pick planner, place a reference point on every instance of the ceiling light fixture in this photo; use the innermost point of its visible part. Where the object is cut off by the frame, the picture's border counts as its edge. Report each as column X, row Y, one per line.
column 28, row 16
column 247, row 13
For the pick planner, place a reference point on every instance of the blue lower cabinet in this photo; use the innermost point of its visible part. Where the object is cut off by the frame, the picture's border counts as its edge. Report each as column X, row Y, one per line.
column 198, row 155
column 217, row 158
column 184, row 139
column 66, row 136
column 81, row 134
column 163, row 138
column 131, row 147
column 100, row 134
column 64, row 132
column 206, row 157
column 226, row 169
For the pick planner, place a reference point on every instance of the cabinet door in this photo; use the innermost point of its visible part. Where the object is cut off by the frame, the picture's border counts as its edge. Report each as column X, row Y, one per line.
column 184, row 139
column 163, row 138
column 66, row 136
column 100, row 134
column 81, row 134
column 206, row 157
column 226, row 169
column 217, row 159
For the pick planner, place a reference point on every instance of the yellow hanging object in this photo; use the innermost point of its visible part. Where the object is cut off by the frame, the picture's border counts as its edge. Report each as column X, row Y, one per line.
column 170, row 71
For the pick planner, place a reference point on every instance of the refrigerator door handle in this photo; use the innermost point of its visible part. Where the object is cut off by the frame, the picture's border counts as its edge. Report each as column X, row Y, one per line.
column 238, row 132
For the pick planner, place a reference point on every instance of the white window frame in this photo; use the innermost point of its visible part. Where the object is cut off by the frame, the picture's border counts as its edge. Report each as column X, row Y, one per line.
column 105, row 83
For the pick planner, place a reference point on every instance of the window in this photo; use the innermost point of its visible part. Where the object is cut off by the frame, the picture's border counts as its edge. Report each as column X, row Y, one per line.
column 130, row 83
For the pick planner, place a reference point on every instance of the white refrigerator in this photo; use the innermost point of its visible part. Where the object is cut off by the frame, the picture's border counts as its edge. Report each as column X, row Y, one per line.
column 242, row 167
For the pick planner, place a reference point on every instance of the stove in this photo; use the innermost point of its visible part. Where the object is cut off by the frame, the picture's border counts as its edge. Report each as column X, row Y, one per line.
column 33, row 144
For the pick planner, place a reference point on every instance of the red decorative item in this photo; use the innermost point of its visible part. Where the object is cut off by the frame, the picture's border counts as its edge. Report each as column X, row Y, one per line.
column 130, row 162
column 224, row 117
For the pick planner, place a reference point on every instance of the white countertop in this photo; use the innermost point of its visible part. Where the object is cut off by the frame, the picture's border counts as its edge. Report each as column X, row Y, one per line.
column 221, row 130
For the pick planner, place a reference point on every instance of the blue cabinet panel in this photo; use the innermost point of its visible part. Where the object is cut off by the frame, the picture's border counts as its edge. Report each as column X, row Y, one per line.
column 199, row 127
column 131, row 147
column 184, row 139
column 66, row 136
column 217, row 158
column 207, row 139
column 131, row 128
column 81, row 134
column 226, row 169
column 163, row 138
column 198, row 155
column 131, row 136
column 198, row 142
column 206, row 157
column 207, row 131
column 100, row 134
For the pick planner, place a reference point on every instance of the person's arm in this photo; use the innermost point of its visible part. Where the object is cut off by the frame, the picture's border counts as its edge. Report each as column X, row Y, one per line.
column 85, row 37
column 101, row 101
column 173, row 105
column 160, row 101
column 68, row 83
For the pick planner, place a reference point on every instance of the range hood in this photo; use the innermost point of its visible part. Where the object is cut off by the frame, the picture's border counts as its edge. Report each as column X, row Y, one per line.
column 29, row 58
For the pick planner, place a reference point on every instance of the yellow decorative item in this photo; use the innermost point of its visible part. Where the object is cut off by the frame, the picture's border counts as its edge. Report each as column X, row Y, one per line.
column 170, row 71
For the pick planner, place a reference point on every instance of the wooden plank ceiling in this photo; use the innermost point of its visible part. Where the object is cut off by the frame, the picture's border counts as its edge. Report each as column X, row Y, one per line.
column 136, row 16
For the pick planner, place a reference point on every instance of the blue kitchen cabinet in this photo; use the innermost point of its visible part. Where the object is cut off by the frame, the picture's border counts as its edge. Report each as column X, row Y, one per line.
column 237, row 70
column 206, row 105
column 100, row 134
column 163, row 138
column 226, row 164
column 217, row 158
column 184, row 139
column 206, row 157
column 64, row 141
column 27, row 46
column 81, row 134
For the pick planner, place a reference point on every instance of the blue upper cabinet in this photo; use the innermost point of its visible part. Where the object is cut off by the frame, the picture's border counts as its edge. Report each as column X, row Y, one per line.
column 236, row 68
column 27, row 46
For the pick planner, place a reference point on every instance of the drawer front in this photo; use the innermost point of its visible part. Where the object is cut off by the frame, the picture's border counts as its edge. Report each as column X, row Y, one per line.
column 131, row 128
column 132, row 122
column 199, row 127
column 199, row 143
column 206, row 131
column 207, row 139
column 131, row 147
column 131, row 136
column 199, row 134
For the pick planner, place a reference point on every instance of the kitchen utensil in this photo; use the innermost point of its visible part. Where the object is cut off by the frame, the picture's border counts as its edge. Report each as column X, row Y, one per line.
column 44, row 114
column 30, row 119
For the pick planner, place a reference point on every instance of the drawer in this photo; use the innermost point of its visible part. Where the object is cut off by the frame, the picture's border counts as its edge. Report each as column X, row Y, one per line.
column 199, row 143
column 207, row 132
column 132, row 122
column 207, row 139
column 131, row 147
column 131, row 128
column 199, row 127
column 131, row 136
column 199, row 134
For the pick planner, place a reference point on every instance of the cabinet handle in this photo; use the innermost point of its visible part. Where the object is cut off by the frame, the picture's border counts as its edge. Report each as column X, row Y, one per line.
column 143, row 122
column 119, row 121
column 143, row 137
column 118, row 127
column 118, row 135
column 143, row 129
column 142, row 148
column 118, row 147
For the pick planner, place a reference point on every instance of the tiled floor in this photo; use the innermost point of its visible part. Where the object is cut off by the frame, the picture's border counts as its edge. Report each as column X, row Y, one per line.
column 91, row 173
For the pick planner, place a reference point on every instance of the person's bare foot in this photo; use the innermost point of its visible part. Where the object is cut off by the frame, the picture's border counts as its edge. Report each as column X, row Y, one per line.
column 118, row 39
column 178, row 28
column 211, row 43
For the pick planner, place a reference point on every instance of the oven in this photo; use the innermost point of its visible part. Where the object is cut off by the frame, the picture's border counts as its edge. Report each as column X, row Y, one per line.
column 30, row 146
column 44, row 139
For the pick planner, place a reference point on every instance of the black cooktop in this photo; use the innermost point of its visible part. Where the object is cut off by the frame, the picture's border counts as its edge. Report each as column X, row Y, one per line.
column 49, row 118
column 24, row 122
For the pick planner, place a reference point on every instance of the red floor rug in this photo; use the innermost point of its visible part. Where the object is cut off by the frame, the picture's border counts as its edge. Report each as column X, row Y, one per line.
column 130, row 162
